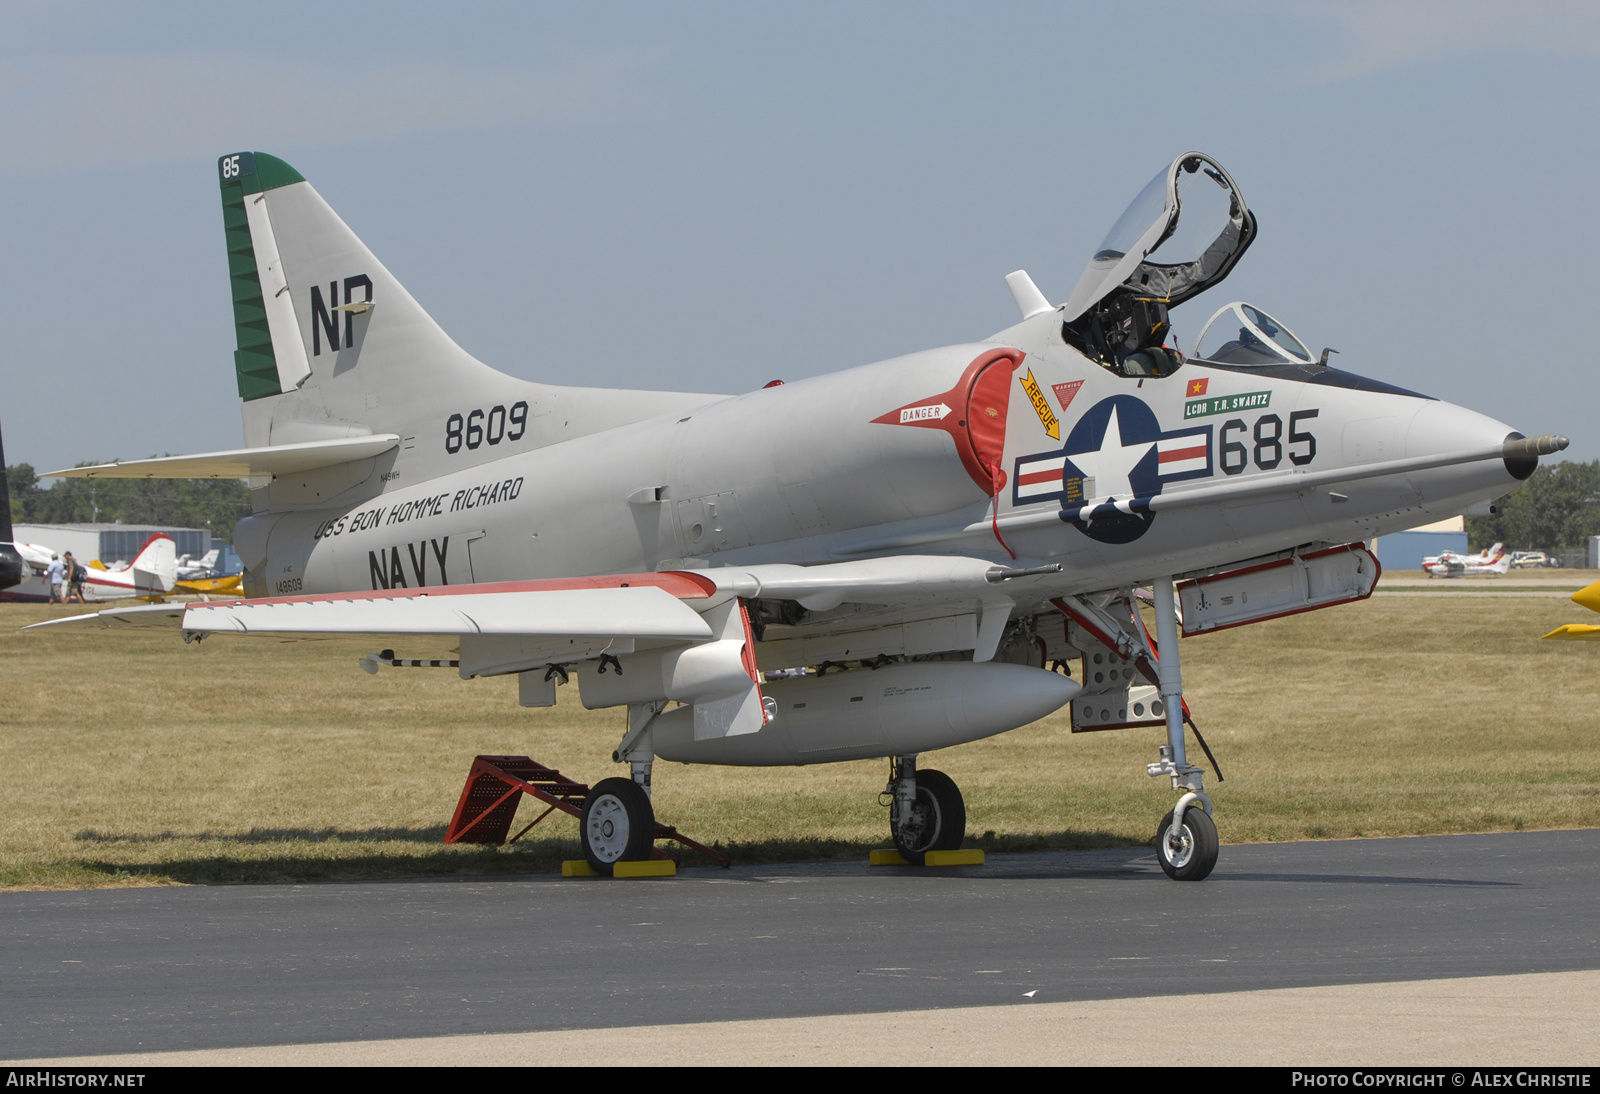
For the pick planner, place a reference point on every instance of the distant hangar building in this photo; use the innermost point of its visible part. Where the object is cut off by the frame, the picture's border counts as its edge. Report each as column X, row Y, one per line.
column 110, row 543
column 1406, row 550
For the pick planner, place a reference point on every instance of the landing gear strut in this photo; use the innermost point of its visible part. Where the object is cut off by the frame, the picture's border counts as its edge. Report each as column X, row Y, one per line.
column 1186, row 840
column 618, row 823
column 927, row 813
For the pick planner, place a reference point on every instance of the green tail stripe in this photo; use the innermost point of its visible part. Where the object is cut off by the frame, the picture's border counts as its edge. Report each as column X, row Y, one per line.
column 241, row 175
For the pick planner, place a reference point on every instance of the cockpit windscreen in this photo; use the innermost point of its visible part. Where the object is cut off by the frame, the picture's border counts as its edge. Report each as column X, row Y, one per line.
column 1242, row 334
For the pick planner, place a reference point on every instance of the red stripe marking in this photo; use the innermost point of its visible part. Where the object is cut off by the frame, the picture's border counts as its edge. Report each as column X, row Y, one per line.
column 1033, row 477
column 684, row 586
column 1196, row 453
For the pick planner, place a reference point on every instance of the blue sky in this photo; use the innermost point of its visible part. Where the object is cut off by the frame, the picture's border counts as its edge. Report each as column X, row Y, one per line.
column 708, row 196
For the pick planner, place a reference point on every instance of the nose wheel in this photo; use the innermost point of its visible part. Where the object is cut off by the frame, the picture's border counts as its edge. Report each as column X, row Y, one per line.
column 936, row 819
column 1190, row 852
column 617, row 824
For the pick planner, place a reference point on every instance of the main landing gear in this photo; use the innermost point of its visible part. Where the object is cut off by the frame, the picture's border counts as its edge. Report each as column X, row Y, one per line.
column 926, row 812
column 1186, row 839
column 618, row 823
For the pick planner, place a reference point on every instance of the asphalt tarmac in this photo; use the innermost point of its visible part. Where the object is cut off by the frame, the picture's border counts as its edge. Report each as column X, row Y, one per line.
column 158, row 970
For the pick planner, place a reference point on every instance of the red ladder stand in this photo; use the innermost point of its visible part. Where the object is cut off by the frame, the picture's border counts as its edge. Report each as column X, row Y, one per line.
column 495, row 786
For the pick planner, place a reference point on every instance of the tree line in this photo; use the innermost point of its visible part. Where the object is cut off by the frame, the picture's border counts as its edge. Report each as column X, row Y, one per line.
column 1557, row 507
column 217, row 504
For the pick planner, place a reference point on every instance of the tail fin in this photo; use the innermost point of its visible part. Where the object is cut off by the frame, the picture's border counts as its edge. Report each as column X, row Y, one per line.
column 329, row 343
column 155, row 567
column 11, row 568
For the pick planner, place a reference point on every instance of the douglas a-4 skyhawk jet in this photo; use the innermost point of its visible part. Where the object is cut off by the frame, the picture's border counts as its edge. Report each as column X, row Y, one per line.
column 931, row 539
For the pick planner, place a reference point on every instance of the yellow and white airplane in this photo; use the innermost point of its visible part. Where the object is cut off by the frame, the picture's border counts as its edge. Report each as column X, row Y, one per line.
column 1588, row 597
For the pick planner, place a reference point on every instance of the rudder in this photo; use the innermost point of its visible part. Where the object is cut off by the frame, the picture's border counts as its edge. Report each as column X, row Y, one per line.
column 329, row 343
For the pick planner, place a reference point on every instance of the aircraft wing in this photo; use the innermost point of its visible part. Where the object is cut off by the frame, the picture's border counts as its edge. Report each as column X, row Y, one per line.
column 638, row 606
column 240, row 463
column 689, row 634
column 1579, row 631
column 640, row 612
column 231, row 583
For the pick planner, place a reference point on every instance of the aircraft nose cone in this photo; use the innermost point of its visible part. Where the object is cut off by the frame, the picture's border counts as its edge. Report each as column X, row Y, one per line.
column 1441, row 428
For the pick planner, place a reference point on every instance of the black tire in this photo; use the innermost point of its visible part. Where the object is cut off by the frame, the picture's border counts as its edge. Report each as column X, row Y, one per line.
column 1196, row 855
column 938, row 818
column 617, row 824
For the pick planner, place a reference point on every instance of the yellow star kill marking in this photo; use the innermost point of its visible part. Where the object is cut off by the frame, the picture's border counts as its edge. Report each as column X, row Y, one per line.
column 1040, row 407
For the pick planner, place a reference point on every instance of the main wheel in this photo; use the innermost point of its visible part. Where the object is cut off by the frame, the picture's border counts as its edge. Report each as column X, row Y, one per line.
column 938, row 818
column 617, row 825
column 1190, row 855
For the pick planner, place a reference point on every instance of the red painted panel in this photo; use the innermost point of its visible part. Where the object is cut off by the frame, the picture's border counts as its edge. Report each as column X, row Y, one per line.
column 987, row 401
column 681, row 584
column 973, row 412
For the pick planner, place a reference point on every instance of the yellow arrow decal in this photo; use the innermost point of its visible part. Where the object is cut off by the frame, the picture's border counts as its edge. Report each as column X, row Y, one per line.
column 1040, row 407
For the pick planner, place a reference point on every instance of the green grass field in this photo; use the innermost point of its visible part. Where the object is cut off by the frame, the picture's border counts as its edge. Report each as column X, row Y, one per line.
column 133, row 759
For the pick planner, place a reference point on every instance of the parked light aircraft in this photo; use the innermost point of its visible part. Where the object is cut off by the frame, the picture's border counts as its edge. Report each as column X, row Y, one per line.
column 150, row 574
column 1494, row 560
column 927, row 534
column 1588, row 597
column 215, row 572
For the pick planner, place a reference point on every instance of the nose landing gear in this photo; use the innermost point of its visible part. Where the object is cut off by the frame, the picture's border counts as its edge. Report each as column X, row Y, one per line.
column 1186, row 839
column 1189, row 851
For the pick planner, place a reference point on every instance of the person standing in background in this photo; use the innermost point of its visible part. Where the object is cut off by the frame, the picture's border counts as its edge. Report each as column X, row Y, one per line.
column 54, row 572
column 75, row 579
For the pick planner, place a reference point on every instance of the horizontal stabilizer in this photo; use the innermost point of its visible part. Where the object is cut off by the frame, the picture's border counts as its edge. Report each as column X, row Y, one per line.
column 240, row 463
column 142, row 615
